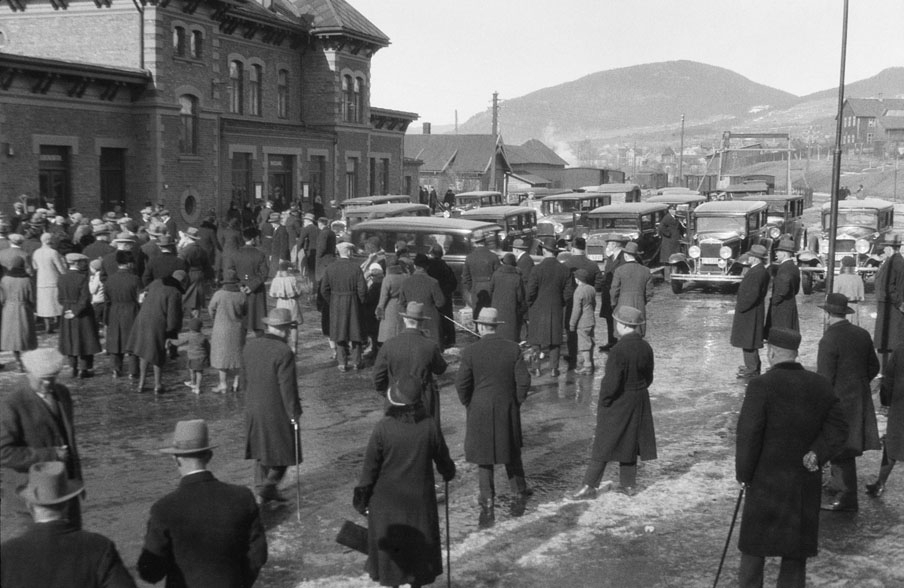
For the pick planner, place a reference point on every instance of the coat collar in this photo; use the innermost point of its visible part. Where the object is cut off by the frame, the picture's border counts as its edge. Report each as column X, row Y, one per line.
column 196, row 477
column 787, row 365
column 273, row 337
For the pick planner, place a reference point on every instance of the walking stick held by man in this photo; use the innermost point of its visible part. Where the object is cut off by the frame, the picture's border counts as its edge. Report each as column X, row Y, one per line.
column 297, row 473
column 734, row 518
column 448, row 546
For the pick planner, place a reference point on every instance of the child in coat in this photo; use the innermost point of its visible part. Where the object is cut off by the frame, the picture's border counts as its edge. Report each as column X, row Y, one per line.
column 850, row 284
column 284, row 288
column 583, row 319
column 197, row 354
column 96, row 288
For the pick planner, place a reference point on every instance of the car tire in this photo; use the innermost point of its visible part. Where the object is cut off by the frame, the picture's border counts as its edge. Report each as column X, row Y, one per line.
column 677, row 285
column 806, row 282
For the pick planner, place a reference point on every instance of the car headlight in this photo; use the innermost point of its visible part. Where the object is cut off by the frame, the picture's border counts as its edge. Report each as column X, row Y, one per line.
column 694, row 251
column 774, row 232
column 585, row 235
column 725, row 252
column 862, row 246
column 502, row 235
column 558, row 228
column 633, row 236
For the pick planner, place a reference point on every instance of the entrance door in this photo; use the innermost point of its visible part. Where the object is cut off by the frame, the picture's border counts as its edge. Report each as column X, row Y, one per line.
column 112, row 178
column 279, row 180
column 53, row 176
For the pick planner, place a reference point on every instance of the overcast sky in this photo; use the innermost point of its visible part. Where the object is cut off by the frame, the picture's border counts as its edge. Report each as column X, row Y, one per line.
column 449, row 55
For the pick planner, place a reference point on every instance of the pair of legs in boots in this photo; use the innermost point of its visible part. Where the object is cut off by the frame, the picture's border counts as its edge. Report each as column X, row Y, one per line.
column 877, row 488
column 844, row 478
column 627, row 479
column 553, row 352
column 87, row 365
column 266, row 479
column 342, row 355
column 486, row 481
column 118, row 359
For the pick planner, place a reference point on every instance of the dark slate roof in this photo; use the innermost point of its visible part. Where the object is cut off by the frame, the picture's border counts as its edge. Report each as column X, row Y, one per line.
column 533, row 151
column 339, row 17
column 464, row 153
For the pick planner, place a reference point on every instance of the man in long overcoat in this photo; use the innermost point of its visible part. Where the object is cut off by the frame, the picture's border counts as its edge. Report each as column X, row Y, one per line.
column 420, row 287
column 750, row 312
column 546, row 303
column 344, row 287
column 578, row 260
column 614, row 246
column 507, row 295
column 785, row 286
column 890, row 299
column 439, row 270
column 206, row 532
column 164, row 264
column 121, row 295
column 412, row 353
column 158, row 321
column 250, row 265
column 78, row 332
column 477, row 272
column 492, row 382
column 891, row 395
column 671, row 231
column 307, row 244
column 36, row 424
column 199, row 268
column 324, row 255
column 523, row 261
column 847, row 359
column 790, row 424
column 272, row 404
column 624, row 418
column 632, row 285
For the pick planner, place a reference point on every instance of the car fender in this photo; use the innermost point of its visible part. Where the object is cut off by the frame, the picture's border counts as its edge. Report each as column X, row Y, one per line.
column 808, row 258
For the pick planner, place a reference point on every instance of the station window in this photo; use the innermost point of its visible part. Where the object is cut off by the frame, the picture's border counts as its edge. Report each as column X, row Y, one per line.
column 235, row 87
column 188, row 136
column 282, row 94
column 196, row 44
column 254, row 88
column 179, row 41
column 348, row 99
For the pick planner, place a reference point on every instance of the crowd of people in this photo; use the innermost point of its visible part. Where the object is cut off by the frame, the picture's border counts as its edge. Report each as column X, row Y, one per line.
column 137, row 288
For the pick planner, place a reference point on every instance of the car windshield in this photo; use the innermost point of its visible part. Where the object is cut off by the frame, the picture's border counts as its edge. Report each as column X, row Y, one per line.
column 854, row 218
column 560, row 206
column 619, row 222
column 777, row 209
column 721, row 224
column 468, row 203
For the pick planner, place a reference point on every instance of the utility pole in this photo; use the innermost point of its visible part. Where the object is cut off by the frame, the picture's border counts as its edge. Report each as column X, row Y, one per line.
column 681, row 155
column 495, row 114
column 836, row 161
column 492, row 182
column 456, row 121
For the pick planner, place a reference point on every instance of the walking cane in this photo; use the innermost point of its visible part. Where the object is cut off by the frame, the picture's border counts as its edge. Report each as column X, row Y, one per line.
column 448, row 556
column 461, row 326
column 728, row 539
column 297, row 475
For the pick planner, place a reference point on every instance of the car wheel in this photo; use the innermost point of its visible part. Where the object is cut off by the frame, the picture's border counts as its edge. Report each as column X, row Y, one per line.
column 677, row 285
column 806, row 282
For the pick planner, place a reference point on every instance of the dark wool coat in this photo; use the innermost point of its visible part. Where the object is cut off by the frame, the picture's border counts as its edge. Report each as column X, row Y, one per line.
column 525, row 265
column 161, row 266
column 58, row 555
column 750, row 311
column 508, row 297
column 477, row 272
column 78, row 335
column 632, row 285
column 208, row 242
column 271, row 401
column 390, row 290
column 847, row 358
column 121, row 294
column 110, row 267
column 250, row 264
column 17, row 323
column 307, row 242
column 783, row 306
column 403, row 522
column 206, row 533
column 98, row 249
column 159, row 319
column 892, row 396
column 546, row 302
column 415, row 354
column 492, row 383
column 324, row 252
column 889, row 298
column 344, row 287
column 150, row 250
column 786, row 413
column 624, row 419
column 279, row 248
column 370, row 325
column 29, row 433
column 419, row 287
column 670, row 231
column 612, row 264
column 200, row 269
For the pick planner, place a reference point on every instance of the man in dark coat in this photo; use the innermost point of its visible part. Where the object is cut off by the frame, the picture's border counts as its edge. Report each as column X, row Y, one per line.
column 307, row 244
column 36, row 424
column 412, row 353
column 546, row 303
column 279, row 244
column 344, row 287
column 250, row 265
column 157, row 323
column 324, row 255
column 632, row 285
column 671, row 232
column 750, row 312
column 78, row 331
column 199, row 268
column 477, row 272
column 847, row 359
column 578, row 260
column 614, row 246
column 55, row 553
column 170, row 223
column 164, row 264
column 507, row 295
column 492, row 382
column 890, row 299
column 206, row 532
column 420, row 287
column 790, row 424
column 121, row 295
column 624, row 418
column 272, row 404
column 449, row 199
column 123, row 242
column 101, row 245
column 523, row 261
column 785, row 286
column 440, row 271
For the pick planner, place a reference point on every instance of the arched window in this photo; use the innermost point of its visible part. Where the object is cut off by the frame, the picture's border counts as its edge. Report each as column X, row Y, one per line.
column 348, row 94
column 179, row 41
column 359, row 99
column 282, row 94
column 254, row 86
column 235, row 87
column 195, row 44
column 188, row 115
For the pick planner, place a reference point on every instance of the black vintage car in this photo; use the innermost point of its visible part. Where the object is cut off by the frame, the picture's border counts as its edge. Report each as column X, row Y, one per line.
column 785, row 217
column 558, row 212
column 517, row 222
column 637, row 221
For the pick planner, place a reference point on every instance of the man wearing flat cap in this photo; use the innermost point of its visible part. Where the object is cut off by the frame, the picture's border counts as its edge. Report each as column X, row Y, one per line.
column 272, row 404
column 750, row 312
column 343, row 287
column 790, row 424
column 206, row 532
column 36, row 424
column 54, row 553
column 847, row 359
column 785, row 286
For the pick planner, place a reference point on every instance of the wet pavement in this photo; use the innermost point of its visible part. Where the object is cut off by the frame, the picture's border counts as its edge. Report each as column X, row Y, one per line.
column 670, row 534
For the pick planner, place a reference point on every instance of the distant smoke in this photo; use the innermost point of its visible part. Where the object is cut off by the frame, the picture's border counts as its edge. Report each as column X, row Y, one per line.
column 559, row 146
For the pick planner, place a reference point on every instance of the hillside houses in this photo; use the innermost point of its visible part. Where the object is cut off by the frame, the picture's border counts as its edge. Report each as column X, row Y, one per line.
column 872, row 125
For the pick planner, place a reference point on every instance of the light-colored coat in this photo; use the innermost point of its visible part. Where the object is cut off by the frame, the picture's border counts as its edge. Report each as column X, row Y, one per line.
column 49, row 266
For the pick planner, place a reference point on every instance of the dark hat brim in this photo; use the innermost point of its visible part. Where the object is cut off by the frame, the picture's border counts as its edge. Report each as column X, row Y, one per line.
column 492, row 323
column 276, row 323
column 833, row 309
column 415, row 317
column 181, row 451
column 73, row 489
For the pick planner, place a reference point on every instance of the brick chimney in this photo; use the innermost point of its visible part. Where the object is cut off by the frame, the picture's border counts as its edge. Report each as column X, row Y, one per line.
column 426, row 128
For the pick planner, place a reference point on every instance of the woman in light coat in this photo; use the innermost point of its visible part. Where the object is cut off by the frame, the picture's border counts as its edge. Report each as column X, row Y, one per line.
column 49, row 265
column 17, row 325
column 227, row 308
column 388, row 306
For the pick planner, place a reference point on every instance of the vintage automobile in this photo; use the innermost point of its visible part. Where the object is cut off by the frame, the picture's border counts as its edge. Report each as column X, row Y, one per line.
column 685, row 201
column 617, row 192
column 456, row 236
column 350, row 203
column 723, row 230
column 785, row 217
column 468, row 200
column 861, row 226
column 517, row 222
column 638, row 221
column 558, row 213
column 392, row 209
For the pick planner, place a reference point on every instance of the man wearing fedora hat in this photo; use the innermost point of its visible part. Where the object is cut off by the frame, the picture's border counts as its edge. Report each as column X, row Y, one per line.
column 624, row 418
column 343, row 287
column 615, row 244
column 546, row 289
column 492, row 382
column 523, row 261
column 250, row 265
column 889, row 331
column 750, row 312
column 124, row 241
column 206, row 532
column 36, row 424
column 477, row 272
column 163, row 265
column 199, row 268
column 632, row 284
column 412, row 353
column 78, row 332
column 307, row 245
column 420, row 287
column 785, row 286
column 169, row 223
column 790, row 424
column 101, row 245
column 54, row 553
column 272, row 404
column 847, row 358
